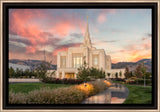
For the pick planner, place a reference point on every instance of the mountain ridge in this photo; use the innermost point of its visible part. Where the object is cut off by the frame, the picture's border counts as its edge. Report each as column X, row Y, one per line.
column 119, row 65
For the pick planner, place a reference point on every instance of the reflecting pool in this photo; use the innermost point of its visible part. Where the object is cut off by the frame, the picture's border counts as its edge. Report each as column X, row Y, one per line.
column 115, row 94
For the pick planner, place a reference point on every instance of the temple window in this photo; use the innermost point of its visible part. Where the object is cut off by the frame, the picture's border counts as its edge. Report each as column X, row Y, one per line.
column 77, row 60
column 63, row 62
column 95, row 60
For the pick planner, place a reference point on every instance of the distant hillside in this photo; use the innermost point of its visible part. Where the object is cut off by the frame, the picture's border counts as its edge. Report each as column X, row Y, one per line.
column 132, row 65
column 32, row 63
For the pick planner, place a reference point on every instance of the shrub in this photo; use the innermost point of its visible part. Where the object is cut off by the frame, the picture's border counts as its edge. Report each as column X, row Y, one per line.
column 133, row 78
column 19, row 73
column 130, row 82
column 141, row 81
column 117, row 79
column 17, row 98
column 61, row 81
column 66, row 95
column 108, row 83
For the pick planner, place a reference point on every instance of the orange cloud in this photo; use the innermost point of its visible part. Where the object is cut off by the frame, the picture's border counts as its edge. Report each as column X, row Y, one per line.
column 31, row 49
column 133, row 53
column 22, row 23
column 138, row 55
column 64, row 48
column 26, row 24
column 59, row 50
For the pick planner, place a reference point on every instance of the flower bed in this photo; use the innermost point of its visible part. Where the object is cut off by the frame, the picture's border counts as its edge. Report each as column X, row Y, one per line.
column 66, row 95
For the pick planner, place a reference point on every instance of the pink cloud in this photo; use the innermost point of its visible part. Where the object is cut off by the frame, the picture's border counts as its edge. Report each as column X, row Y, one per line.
column 64, row 48
column 103, row 15
column 102, row 18
column 31, row 49
column 26, row 24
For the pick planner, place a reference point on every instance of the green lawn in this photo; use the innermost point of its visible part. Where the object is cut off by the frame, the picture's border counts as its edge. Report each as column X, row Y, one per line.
column 139, row 95
column 27, row 87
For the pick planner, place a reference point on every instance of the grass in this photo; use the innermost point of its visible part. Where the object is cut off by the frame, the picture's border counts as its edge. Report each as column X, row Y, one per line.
column 139, row 95
column 27, row 87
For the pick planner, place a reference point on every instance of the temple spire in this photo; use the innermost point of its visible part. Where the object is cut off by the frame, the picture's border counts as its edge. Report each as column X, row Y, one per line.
column 87, row 40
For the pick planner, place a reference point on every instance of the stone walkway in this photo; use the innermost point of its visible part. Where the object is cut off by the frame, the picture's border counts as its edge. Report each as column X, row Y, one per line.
column 23, row 80
column 116, row 94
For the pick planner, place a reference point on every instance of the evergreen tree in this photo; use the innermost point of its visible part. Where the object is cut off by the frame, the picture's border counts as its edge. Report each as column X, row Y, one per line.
column 116, row 74
column 120, row 73
column 138, row 72
column 11, row 72
column 127, row 73
column 108, row 74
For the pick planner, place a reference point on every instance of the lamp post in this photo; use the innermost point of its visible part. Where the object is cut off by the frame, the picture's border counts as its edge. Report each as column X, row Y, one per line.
column 85, row 84
column 144, row 81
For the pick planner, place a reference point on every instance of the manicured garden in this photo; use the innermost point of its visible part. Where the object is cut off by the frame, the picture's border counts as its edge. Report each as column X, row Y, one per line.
column 72, row 91
column 62, row 95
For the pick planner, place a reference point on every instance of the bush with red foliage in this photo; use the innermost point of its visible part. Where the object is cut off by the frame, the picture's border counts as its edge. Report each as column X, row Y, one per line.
column 62, row 81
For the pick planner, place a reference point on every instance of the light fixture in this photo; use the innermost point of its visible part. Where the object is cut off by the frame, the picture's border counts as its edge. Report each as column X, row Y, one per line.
column 85, row 84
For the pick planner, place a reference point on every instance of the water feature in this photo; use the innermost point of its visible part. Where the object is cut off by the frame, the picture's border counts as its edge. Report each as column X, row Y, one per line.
column 115, row 94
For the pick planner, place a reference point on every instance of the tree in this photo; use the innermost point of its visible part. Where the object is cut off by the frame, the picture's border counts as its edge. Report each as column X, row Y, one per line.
column 18, row 73
column 84, row 73
column 108, row 74
column 41, row 71
column 127, row 74
column 101, row 74
column 138, row 72
column 120, row 73
column 131, row 74
column 11, row 72
column 116, row 74
column 143, row 70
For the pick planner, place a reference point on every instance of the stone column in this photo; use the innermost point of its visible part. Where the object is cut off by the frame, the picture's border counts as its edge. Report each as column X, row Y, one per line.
column 58, row 61
column 75, row 75
column 63, row 74
column 57, row 75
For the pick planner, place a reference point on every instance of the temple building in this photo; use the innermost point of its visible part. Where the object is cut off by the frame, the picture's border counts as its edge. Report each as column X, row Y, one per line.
column 69, row 61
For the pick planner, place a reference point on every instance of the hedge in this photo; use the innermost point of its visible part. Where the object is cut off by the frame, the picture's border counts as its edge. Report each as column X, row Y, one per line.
column 66, row 95
column 141, row 81
column 61, row 81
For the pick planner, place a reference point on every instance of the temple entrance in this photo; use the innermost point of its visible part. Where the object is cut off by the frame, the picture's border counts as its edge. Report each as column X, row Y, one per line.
column 69, row 75
column 60, row 75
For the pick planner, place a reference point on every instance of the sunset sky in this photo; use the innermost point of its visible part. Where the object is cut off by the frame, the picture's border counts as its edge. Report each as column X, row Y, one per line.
column 125, row 34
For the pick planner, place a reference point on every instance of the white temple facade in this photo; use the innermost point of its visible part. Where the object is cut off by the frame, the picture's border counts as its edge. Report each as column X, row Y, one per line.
column 69, row 61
